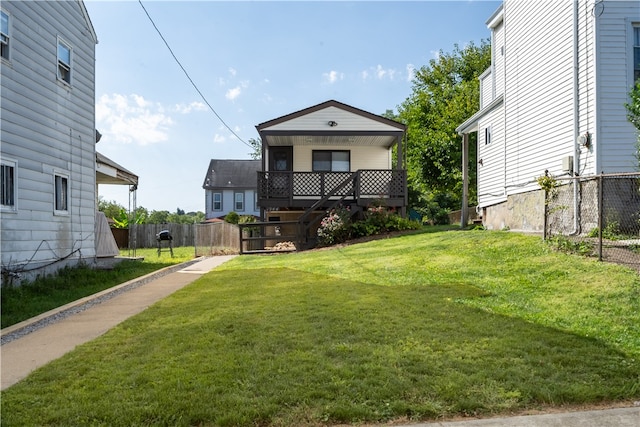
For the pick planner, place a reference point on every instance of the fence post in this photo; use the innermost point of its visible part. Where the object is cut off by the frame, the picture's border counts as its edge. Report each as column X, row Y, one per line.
column 546, row 215
column 600, row 221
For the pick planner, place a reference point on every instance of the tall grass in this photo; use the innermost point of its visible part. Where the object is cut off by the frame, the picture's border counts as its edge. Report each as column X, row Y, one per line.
column 411, row 328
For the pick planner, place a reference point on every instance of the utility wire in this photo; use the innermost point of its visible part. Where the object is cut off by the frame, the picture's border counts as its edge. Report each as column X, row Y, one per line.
column 189, row 77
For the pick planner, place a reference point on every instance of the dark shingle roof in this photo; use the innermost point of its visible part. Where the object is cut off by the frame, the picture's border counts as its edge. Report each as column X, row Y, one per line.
column 232, row 174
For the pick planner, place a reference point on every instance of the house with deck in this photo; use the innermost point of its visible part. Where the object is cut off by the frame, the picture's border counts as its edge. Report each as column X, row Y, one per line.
column 327, row 155
column 230, row 186
column 49, row 176
column 552, row 101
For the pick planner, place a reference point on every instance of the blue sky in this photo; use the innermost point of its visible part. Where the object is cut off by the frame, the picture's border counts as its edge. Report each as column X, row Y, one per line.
column 253, row 62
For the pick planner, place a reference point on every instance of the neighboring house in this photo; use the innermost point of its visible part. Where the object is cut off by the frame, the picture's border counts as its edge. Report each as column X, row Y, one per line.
column 327, row 154
column 230, row 186
column 552, row 100
column 48, row 139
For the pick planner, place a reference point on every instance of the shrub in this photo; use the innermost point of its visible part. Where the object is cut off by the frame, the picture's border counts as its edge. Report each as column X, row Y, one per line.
column 335, row 227
column 232, row 217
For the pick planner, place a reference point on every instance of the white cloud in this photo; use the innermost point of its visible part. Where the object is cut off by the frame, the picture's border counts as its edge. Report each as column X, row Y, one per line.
column 219, row 139
column 333, row 76
column 232, row 71
column 132, row 119
column 378, row 72
column 187, row 108
column 233, row 93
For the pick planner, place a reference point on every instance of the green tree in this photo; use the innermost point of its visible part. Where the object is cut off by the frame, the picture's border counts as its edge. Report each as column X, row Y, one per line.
column 445, row 93
column 633, row 113
column 158, row 217
column 256, row 146
column 110, row 208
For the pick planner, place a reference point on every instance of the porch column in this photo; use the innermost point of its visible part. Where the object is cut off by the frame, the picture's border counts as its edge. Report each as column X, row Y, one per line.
column 400, row 153
column 464, row 217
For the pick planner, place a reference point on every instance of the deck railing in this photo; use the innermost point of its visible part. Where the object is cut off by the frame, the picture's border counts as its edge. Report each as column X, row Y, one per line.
column 367, row 183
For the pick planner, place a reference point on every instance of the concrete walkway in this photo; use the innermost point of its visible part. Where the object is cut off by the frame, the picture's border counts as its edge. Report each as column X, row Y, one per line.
column 52, row 340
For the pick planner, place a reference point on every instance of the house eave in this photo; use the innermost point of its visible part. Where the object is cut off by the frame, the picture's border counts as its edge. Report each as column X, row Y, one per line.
column 471, row 124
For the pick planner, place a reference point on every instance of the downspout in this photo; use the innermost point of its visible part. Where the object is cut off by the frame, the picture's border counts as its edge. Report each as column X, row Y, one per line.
column 576, row 122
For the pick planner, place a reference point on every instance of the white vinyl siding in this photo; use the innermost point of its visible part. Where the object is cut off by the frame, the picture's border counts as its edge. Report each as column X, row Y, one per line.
column 228, row 201
column 539, row 90
column 47, row 128
column 498, row 54
column 491, row 170
column 486, row 88
column 345, row 120
column 614, row 58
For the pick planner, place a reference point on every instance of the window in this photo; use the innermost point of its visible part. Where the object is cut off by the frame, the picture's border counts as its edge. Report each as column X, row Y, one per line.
column 61, row 193
column 636, row 53
column 4, row 35
column 331, row 161
column 64, row 62
column 255, row 202
column 217, row 202
column 239, row 202
column 487, row 135
column 8, row 183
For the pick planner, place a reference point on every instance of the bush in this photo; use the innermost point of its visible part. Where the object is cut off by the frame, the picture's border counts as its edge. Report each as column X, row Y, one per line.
column 335, row 227
column 232, row 217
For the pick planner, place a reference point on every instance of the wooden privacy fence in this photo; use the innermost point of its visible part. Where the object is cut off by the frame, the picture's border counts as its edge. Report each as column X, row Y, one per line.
column 215, row 238
column 213, row 235
column 144, row 235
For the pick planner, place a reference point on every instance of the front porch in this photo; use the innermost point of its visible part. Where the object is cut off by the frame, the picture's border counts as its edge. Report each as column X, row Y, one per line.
column 301, row 190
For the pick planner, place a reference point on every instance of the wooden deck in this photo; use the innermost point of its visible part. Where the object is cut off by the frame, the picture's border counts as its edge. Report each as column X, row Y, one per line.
column 303, row 189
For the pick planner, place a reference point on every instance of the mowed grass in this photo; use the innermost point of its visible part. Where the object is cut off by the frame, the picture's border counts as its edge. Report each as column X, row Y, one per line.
column 70, row 284
column 411, row 328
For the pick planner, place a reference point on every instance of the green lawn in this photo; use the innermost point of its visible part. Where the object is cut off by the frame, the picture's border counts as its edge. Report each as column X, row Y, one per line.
column 410, row 328
column 70, row 284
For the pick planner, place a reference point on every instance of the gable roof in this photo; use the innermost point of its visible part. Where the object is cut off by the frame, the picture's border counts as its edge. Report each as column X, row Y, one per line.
column 232, row 174
column 85, row 14
column 331, row 122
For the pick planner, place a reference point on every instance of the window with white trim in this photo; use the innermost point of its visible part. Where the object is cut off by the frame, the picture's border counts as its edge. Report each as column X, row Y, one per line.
column 487, row 135
column 238, row 202
column 636, row 52
column 4, row 35
column 8, row 184
column 61, row 201
column 331, row 161
column 64, row 62
column 216, row 202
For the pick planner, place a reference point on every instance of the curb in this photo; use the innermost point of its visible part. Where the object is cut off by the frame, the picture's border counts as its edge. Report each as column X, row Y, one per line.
column 25, row 327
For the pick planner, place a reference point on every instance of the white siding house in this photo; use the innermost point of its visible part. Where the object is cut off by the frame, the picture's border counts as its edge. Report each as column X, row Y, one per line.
column 231, row 186
column 48, row 154
column 552, row 100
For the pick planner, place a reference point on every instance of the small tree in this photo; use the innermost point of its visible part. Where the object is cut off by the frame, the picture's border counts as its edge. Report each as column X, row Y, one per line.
column 633, row 114
column 256, row 146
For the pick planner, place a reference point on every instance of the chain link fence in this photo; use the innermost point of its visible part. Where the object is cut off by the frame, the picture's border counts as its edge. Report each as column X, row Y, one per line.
column 596, row 216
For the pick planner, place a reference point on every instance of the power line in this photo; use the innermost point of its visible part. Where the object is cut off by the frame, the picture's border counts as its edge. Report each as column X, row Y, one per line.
column 189, row 77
